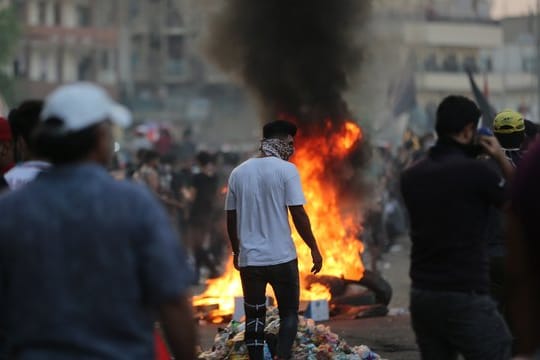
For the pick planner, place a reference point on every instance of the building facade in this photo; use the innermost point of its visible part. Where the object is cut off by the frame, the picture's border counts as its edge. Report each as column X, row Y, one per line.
column 64, row 41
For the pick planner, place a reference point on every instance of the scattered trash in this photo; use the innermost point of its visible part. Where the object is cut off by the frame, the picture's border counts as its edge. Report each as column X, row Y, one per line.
column 313, row 342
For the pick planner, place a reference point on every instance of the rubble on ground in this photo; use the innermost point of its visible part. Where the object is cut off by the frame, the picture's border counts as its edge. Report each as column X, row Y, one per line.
column 313, row 342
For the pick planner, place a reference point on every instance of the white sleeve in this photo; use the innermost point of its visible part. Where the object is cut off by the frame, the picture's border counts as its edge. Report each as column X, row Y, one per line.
column 294, row 195
column 230, row 199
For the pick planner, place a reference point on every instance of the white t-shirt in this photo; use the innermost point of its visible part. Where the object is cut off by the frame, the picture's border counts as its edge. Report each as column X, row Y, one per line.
column 24, row 173
column 260, row 190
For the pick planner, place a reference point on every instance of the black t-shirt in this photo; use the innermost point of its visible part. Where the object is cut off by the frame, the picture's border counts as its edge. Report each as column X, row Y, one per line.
column 449, row 196
column 206, row 190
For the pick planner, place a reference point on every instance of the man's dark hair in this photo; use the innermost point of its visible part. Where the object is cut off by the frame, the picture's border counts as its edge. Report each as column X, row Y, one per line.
column 279, row 129
column 63, row 148
column 204, row 158
column 454, row 114
column 25, row 118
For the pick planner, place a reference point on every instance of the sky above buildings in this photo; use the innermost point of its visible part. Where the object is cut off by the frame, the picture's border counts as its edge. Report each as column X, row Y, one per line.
column 513, row 7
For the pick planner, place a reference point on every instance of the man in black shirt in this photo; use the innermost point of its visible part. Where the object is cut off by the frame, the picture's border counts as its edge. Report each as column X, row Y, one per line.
column 202, row 214
column 448, row 195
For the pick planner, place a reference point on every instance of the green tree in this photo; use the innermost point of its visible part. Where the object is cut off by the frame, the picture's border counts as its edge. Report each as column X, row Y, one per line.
column 9, row 36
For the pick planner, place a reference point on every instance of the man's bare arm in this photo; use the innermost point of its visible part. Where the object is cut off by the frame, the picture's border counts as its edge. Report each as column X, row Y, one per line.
column 232, row 231
column 303, row 226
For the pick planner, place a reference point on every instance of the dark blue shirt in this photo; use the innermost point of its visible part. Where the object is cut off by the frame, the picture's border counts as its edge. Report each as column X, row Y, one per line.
column 84, row 263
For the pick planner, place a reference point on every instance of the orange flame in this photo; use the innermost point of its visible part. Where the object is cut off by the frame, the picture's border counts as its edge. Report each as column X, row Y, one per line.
column 336, row 231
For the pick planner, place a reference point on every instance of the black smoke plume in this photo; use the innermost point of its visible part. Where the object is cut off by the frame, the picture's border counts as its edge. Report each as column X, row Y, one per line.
column 295, row 55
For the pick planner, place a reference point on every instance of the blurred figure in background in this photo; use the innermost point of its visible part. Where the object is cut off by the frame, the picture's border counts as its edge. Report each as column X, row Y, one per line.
column 203, row 211
column 531, row 133
column 110, row 263
column 523, row 248
column 148, row 173
column 509, row 128
column 6, row 151
column 24, row 120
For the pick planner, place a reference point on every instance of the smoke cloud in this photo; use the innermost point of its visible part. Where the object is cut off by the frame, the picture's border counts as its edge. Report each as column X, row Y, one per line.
column 295, row 55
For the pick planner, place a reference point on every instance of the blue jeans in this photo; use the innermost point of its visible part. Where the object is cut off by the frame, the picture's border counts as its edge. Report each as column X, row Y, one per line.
column 450, row 323
column 284, row 279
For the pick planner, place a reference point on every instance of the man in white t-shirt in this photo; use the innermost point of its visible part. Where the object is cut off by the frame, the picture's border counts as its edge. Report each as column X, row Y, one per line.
column 261, row 192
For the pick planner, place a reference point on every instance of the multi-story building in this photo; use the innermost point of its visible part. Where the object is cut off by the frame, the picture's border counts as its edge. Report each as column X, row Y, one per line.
column 423, row 53
column 153, row 57
column 166, row 77
column 516, row 61
column 64, row 41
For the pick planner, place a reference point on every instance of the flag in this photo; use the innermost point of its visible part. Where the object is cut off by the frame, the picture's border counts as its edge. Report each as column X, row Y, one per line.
column 488, row 111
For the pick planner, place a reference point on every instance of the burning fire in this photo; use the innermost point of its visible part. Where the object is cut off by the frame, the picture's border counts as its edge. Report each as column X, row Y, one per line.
column 335, row 230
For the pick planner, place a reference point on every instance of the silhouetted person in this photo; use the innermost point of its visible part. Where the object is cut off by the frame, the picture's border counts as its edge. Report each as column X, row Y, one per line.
column 448, row 195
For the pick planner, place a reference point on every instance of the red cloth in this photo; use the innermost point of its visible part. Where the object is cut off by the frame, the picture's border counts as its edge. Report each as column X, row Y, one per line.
column 162, row 353
column 5, row 130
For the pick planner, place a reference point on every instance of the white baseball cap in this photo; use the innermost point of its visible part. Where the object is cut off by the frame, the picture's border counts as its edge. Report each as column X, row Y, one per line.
column 83, row 104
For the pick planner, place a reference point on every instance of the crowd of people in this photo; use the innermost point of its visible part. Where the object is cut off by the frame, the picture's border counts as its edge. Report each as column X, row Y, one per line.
column 192, row 191
column 88, row 264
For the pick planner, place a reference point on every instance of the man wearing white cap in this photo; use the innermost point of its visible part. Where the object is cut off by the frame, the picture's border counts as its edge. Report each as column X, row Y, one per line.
column 87, row 263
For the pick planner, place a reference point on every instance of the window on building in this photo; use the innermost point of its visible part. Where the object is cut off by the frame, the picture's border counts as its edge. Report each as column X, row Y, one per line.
column 175, row 58
column 43, row 67
column 42, row 12
column 174, row 18
column 107, row 60
column 176, row 47
column 57, row 14
column 20, row 65
column 450, row 63
column 85, row 69
column 59, row 66
column 528, row 64
column 469, row 62
column 430, row 63
column 84, row 15
column 137, row 52
column 134, row 8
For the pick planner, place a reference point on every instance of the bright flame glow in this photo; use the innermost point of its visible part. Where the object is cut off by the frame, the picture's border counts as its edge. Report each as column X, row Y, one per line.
column 335, row 231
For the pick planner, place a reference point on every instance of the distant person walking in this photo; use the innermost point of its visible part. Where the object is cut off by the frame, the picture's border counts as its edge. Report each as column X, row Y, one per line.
column 261, row 192
column 88, row 263
column 448, row 195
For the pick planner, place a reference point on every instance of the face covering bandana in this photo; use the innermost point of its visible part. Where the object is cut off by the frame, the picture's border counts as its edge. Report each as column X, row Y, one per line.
column 277, row 147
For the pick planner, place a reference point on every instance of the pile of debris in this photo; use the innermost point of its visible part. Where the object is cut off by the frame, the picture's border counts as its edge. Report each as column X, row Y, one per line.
column 313, row 342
